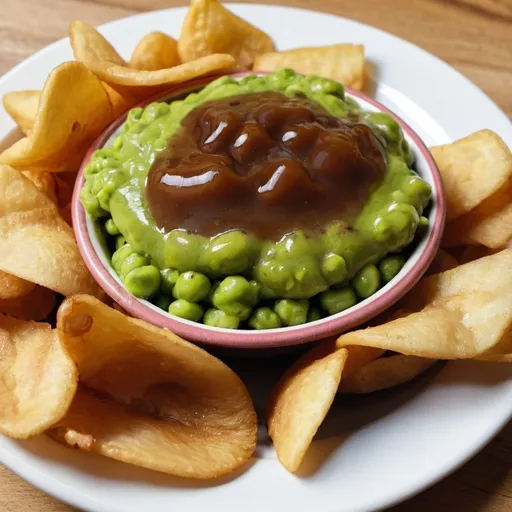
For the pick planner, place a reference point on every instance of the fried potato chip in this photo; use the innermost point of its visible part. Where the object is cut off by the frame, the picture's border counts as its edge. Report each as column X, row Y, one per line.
column 36, row 305
column 12, row 287
column 489, row 224
column 114, row 74
column 155, row 51
column 37, row 378
column 88, row 44
column 385, row 372
column 300, row 401
column 466, row 254
column 44, row 181
column 342, row 62
column 442, row 261
column 472, row 169
column 22, row 107
column 210, row 28
column 151, row 398
column 37, row 245
column 73, row 109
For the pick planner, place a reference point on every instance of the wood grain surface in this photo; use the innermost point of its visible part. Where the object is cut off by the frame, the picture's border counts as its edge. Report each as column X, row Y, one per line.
column 475, row 36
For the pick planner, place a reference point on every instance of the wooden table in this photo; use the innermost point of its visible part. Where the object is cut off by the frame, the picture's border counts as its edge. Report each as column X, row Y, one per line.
column 475, row 36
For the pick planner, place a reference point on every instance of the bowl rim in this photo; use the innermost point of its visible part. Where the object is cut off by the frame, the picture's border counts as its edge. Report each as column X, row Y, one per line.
column 248, row 339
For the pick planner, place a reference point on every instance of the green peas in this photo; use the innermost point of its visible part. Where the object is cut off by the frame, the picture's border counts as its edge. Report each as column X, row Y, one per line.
column 120, row 255
column 120, row 241
column 192, row 286
column 367, row 281
column 390, row 266
column 334, row 268
column 185, row 309
column 143, row 281
column 292, row 312
column 168, row 277
column 264, row 318
column 422, row 226
column 111, row 228
column 335, row 301
column 231, row 252
column 218, row 318
column 163, row 302
column 235, row 296
column 314, row 314
column 132, row 262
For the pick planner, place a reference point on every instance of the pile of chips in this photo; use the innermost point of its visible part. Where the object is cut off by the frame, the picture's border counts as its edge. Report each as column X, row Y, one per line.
column 104, row 382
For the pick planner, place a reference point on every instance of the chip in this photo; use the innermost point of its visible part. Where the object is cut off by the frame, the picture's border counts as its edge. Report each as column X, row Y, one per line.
column 37, row 378
column 466, row 254
column 150, row 398
column 45, row 182
column 37, row 245
column 384, row 373
column 489, row 224
column 342, row 62
column 36, row 305
column 210, row 28
column 12, row 287
column 22, row 107
column 88, row 44
column 473, row 169
column 73, row 110
column 442, row 261
column 155, row 51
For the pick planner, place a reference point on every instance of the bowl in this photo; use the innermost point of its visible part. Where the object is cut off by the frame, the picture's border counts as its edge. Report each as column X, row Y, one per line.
column 98, row 261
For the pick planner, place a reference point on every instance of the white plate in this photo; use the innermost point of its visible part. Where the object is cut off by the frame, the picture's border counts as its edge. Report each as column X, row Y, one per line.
column 395, row 443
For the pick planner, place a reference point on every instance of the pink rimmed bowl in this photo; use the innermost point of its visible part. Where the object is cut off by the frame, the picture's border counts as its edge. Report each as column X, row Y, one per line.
column 98, row 261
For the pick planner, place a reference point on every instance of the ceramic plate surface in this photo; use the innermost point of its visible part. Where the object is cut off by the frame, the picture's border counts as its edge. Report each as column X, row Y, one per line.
column 375, row 450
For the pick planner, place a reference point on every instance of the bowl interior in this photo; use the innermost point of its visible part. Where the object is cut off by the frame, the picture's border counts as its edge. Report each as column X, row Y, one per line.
column 98, row 259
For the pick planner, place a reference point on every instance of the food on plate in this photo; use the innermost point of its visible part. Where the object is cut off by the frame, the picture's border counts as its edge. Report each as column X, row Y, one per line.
column 344, row 63
column 73, row 109
column 443, row 260
column 150, row 398
column 37, row 245
column 22, row 107
column 155, row 51
column 45, row 182
column 12, row 287
column 463, row 313
column 384, row 373
column 35, row 305
column 38, row 378
column 473, row 169
column 319, row 193
column 211, row 28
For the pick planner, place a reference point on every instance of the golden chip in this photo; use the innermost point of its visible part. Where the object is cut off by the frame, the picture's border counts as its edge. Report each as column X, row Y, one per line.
column 12, row 287
column 74, row 108
column 384, row 373
column 210, row 28
column 22, row 107
column 342, row 62
column 442, row 262
column 155, row 51
column 37, row 378
column 151, row 398
column 489, row 224
column 472, row 169
column 37, row 245
column 44, row 181
column 36, row 305
column 89, row 44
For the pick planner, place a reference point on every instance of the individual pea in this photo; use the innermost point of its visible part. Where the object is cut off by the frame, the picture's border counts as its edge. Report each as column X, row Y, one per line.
column 292, row 312
column 335, row 301
column 120, row 241
column 334, row 268
column 185, row 309
column 168, row 277
column 143, row 281
column 218, row 318
column 264, row 318
column 422, row 226
column 120, row 255
column 192, row 286
column 111, row 228
column 235, row 296
column 367, row 281
column 390, row 266
column 163, row 301
column 132, row 262
column 215, row 285
column 314, row 314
